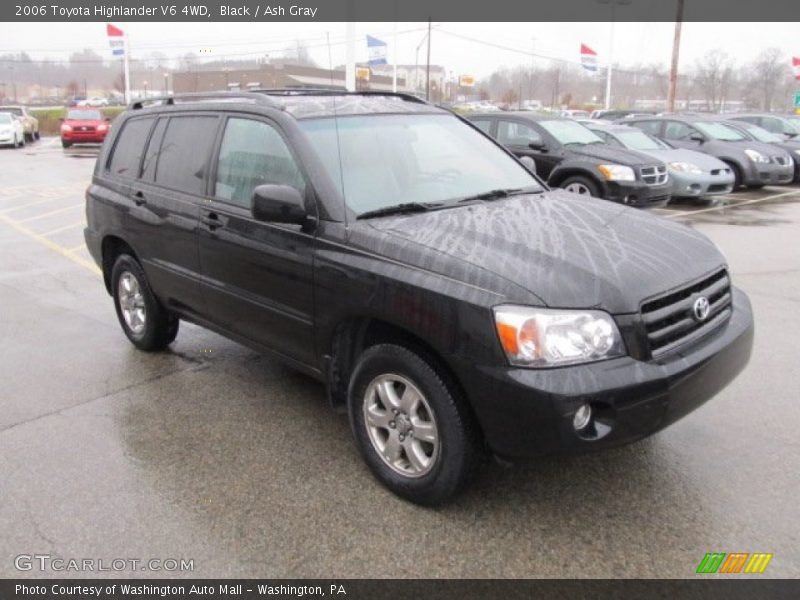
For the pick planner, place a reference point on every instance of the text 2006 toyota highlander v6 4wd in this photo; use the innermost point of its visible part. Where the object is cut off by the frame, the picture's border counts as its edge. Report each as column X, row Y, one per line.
column 451, row 301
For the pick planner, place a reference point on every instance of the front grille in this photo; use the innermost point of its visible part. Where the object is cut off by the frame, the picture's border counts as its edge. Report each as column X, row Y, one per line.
column 655, row 175
column 84, row 128
column 720, row 171
column 669, row 320
column 718, row 187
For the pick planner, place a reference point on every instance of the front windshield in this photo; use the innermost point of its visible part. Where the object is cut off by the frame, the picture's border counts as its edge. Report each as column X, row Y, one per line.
column 84, row 115
column 795, row 121
column 719, row 131
column 388, row 160
column 5, row 118
column 761, row 135
column 570, row 132
column 12, row 110
column 638, row 140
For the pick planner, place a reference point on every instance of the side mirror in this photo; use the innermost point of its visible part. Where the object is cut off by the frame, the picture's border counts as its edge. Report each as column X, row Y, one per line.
column 278, row 204
column 540, row 146
column 61, row 119
column 697, row 138
column 790, row 135
column 108, row 120
column 529, row 163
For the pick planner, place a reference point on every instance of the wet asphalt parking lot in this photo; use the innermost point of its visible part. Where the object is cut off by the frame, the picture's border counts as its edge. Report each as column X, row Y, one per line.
column 214, row 453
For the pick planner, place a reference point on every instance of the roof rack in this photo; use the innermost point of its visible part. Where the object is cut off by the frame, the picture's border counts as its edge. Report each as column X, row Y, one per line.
column 333, row 92
column 201, row 97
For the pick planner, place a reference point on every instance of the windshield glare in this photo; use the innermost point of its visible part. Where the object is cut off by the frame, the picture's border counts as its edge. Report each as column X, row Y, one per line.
column 762, row 135
column 85, row 115
column 388, row 160
column 719, row 131
column 638, row 140
column 570, row 132
column 5, row 118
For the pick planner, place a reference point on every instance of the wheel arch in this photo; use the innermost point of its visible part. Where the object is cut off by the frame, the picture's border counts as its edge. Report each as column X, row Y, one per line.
column 112, row 247
column 560, row 175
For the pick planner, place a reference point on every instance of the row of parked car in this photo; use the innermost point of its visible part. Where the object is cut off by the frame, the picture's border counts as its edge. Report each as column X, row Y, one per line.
column 17, row 126
column 646, row 160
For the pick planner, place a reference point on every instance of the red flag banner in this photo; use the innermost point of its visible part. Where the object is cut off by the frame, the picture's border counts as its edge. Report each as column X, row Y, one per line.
column 113, row 31
column 796, row 67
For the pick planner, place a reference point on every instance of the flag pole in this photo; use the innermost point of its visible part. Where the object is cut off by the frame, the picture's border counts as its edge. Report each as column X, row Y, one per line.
column 127, row 70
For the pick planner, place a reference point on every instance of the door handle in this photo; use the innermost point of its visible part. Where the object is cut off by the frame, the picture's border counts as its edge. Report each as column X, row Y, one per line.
column 211, row 220
column 138, row 199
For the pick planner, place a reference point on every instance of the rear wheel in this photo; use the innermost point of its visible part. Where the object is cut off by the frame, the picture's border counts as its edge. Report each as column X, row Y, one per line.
column 144, row 320
column 37, row 135
column 581, row 185
column 413, row 430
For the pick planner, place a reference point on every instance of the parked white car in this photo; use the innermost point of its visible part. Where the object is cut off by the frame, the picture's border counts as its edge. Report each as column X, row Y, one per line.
column 11, row 131
column 94, row 101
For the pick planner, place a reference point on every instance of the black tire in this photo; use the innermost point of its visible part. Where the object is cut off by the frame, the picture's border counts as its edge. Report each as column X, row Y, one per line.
column 28, row 137
column 37, row 135
column 580, row 180
column 755, row 186
column 160, row 325
column 65, row 144
column 737, row 175
column 459, row 451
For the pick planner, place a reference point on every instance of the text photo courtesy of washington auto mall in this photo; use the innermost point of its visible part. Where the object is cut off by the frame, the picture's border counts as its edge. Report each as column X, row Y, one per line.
column 399, row 299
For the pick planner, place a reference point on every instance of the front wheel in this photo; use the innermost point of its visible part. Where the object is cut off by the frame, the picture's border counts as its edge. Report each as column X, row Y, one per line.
column 65, row 145
column 580, row 185
column 146, row 323
column 414, row 431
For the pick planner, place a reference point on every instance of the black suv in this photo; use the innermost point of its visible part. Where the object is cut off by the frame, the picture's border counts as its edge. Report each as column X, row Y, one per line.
column 445, row 296
column 570, row 156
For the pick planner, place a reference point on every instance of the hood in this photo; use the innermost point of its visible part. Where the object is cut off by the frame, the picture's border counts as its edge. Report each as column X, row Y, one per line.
column 612, row 154
column 567, row 250
column 705, row 161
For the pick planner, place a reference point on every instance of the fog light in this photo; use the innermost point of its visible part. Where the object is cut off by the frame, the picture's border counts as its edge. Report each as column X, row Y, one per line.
column 582, row 417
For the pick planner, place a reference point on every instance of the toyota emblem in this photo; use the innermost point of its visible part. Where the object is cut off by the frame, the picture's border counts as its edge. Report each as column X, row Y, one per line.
column 701, row 308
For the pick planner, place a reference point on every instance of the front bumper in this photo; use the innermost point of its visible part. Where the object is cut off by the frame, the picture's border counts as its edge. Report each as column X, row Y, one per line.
column 636, row 193
column 529, row 412
column 768, row 174
column 691, row 185
column 84, row 137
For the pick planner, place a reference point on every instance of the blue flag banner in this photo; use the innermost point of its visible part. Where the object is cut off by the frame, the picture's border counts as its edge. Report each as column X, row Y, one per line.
column 376, row 51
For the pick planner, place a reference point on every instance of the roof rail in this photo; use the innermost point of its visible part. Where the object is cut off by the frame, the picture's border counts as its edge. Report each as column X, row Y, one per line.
column 333, row 92
column 201, row 97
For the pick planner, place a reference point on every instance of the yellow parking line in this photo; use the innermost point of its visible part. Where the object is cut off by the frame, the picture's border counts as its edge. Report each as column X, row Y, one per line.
column 722, row 207
column 52, row 212
column 52, row 245
column 78, row 247
column 64, row 228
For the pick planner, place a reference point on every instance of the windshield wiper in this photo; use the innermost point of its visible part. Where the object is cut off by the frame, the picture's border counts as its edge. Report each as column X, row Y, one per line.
column 406, row 207
column 498, row 194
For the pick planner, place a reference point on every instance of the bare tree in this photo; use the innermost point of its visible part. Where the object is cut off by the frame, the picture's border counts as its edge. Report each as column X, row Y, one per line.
column 713, row 76
column 769, row 71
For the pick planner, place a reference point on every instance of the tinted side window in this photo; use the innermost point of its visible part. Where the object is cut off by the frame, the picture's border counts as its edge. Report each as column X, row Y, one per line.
column 651, row 127
column 253, row 153
column 675, row 130
column 512, row 133
column 129, row 148
column 184, row 153
column 153, row 149
column 484, row 125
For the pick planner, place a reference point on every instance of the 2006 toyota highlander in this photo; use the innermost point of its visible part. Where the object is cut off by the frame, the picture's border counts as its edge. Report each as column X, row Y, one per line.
column 449, row 300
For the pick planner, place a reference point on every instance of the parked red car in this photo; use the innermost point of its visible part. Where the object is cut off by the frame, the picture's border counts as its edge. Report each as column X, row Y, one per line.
column 83, row 126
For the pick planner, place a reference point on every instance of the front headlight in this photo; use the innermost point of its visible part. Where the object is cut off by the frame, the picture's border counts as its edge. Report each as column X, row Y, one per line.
column 797, row 152
column 541, row 337
column 756, row 156
column 617, row 172
column 685, row 167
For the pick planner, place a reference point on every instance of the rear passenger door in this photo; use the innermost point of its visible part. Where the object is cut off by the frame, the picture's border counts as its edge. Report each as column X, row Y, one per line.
column 257, row 276
column 167, row 200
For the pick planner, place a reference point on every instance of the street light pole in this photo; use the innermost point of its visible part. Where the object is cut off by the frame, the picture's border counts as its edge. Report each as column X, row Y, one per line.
column 673, row 71
column 428, row 66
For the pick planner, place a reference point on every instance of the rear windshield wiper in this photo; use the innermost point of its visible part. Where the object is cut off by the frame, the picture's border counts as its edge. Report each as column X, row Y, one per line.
column 501, row 193
column 406, row 207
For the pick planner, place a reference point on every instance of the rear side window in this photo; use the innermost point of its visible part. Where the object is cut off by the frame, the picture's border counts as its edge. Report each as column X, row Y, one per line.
column 129, row 148
column 253, row 153
column 651, row 127
column 184, row 153
column 153, row 149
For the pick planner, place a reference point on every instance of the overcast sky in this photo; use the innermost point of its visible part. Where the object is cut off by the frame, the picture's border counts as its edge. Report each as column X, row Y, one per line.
column 633, row 42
